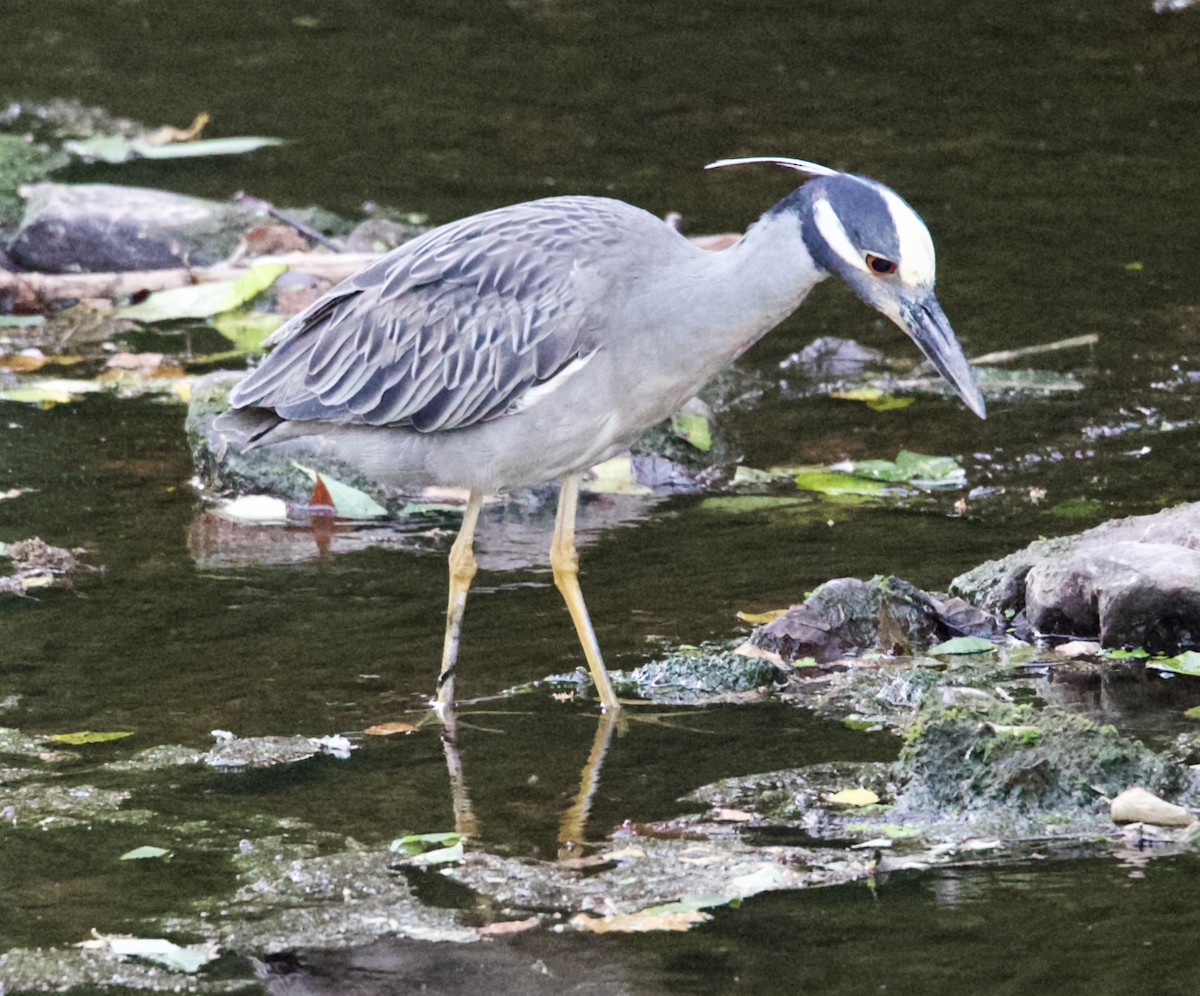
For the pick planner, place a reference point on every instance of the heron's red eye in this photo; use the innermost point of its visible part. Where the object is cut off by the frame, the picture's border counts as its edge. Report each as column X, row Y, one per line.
column 880, row 265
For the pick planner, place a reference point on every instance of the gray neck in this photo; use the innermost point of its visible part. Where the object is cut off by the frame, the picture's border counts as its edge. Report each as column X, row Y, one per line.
column 709, row 308
column 749, row 288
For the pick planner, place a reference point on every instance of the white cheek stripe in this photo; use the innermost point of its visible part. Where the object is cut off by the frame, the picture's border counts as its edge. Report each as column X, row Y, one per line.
column 917, row 263
column 830, row 227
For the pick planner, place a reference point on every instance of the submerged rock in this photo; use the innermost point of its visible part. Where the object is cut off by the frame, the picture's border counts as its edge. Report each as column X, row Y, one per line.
column 982, row 755
column 1130, row 582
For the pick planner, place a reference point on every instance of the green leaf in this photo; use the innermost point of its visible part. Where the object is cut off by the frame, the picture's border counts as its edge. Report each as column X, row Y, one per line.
column 233, row 146
column 692, row 428
column 873, row 397
column 1122, row 655
column 145, row 851
column 889, row 403
column 89, row 737
column 21, row 321
column 246, row 329
column 113, row 149
column 909, row 467
column 415, row 843
column 348, row 502
column 831, row 482
column 963, row 645
column 1193, row 712
column 1186, row 663
column 441, row 856
column 749, row 503
column 614, row 477
column 204, row 300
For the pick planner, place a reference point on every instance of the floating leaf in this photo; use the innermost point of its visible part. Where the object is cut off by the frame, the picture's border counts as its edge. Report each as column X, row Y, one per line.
column 749, row 503
column 246, row 329
column 113, row 149
column 232, row 146
column 53, row 391
column 441, row 856
column 389, row 729
column 1186, row 663
column 670, row 916
column 89, row 737
column 760, row 618
column 189, row 958
column 963, row 645
column 831, row 482
column 349, row 502
column 873, row 397
column 1122, row 655
column 145, row 851
column 911, row 468
column 693, row 428
column 614, row 477
column 416, row 843
column 855, row 797
column 750, row 475
column 204, row 300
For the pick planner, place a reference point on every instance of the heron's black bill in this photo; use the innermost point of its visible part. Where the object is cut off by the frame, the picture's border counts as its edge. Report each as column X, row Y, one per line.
column 930, row 329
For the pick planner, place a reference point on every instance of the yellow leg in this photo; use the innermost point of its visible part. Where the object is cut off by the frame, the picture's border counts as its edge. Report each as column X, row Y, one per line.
column 564, row 560
column 462, row 570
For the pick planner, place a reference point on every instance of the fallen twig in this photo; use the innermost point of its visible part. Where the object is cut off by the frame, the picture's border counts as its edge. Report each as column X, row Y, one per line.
column 32, row 289
column 1008, row 355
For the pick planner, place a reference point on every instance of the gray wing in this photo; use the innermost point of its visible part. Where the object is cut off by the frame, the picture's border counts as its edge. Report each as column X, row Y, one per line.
column 451, row 328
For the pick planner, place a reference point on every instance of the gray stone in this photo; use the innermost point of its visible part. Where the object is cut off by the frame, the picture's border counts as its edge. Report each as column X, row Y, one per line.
column 104, row 228
column 1128, row 582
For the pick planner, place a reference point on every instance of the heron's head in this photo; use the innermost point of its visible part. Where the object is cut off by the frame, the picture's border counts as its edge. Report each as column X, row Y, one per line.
column 870, row 237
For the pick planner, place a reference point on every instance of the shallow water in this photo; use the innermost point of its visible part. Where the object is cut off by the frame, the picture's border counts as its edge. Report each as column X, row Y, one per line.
column 1052, row 152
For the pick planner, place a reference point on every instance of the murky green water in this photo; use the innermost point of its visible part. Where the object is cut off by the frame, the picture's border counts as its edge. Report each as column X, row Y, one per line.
column 1051, row 149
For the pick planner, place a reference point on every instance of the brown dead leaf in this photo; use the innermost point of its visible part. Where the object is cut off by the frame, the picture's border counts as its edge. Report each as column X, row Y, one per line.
column 502, row 928
column 642, row 922
column 22, row 362
column 389, row 729
column 271, row 240
column 748, row 649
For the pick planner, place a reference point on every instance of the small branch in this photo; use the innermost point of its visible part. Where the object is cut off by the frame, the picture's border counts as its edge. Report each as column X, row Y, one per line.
column 1008, row 355
column 46, row 287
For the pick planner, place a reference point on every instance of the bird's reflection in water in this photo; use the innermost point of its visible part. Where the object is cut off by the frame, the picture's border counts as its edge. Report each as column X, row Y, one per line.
column 572, row 825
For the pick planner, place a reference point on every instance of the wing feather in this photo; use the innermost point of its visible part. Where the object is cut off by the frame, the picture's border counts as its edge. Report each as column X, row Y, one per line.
column 453, row 327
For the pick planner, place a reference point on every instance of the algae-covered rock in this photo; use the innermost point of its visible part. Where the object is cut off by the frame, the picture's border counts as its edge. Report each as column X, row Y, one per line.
column 703, row 675
column 846, row 616
column 980, row 755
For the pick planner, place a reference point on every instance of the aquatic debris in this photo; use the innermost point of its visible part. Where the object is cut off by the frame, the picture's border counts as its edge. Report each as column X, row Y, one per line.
column 40, row 565
column 90, row 737
column 1136, row 805
column 263, row 752
column 179, row 958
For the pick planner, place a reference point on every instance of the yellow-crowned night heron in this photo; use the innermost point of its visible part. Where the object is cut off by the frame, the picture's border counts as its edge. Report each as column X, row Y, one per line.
column 530, row 342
